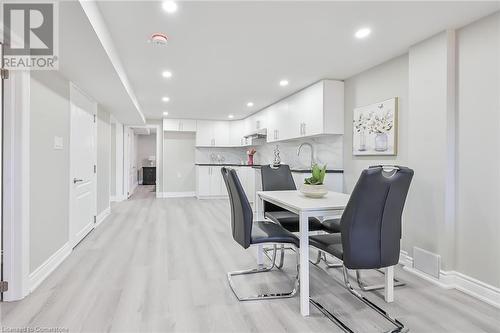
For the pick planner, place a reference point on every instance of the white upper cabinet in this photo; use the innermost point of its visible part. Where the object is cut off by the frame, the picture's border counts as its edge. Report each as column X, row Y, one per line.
column 179, row 125
column 204, row 133
column 236, row 133
column 315, row 110
column 212, row 133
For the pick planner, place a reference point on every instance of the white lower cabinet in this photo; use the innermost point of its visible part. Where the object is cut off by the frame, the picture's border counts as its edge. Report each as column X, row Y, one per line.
column 209, row 182
column 247, row 180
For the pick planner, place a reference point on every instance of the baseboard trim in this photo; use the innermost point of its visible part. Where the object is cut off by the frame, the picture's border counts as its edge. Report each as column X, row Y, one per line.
column 102, row 216
column 45, row 269
column 211, row 197
column 117, row 198
column 175, row 194
column 456, row 280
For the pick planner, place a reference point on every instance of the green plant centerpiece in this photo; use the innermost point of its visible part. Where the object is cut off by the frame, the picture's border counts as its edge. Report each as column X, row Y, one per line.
column 314, row 186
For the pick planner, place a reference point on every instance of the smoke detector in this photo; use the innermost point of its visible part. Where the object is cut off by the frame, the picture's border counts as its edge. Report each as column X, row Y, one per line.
column 158, row 39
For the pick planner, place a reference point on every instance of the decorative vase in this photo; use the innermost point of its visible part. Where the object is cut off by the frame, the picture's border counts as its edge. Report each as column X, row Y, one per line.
column 362, row 141
column 250, row 160
column 313, row 191
column 381, row 142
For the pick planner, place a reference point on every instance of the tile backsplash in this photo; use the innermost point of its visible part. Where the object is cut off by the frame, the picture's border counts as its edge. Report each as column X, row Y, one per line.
column 327, row 150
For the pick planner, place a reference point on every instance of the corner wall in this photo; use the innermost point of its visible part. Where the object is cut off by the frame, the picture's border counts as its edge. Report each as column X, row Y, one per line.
column 49, row 167
column 478, row 160
column 449, row 133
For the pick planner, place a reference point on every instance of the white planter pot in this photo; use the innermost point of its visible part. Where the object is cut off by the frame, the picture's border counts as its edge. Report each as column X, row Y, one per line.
column 313, row 191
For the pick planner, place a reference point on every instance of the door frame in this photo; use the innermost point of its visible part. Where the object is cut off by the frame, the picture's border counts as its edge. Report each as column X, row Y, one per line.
column 159, row 162
column 16, row 185
column 72, row 241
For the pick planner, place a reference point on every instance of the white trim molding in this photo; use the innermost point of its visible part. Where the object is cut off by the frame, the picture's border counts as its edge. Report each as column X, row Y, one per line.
column 456, row 280
column 117, row 198
column 102, row 216
column 175, row 194
column 45, row 269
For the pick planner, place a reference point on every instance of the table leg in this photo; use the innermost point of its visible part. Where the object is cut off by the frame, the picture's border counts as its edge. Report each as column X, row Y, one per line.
column 389, row 284
column 259, row 209
column 304, row 264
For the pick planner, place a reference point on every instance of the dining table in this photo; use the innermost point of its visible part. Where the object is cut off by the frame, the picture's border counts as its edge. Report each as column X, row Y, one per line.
column 332, row 204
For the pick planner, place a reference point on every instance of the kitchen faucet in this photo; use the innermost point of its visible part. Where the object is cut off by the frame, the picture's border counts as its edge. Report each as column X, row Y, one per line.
column 312, row 151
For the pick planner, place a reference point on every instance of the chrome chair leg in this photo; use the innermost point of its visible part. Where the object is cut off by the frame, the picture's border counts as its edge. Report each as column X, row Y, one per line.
column 282, row 255
column 331, row 265
column 399, row 326
column 365, row 287
column 318, row 258
column 287, row 294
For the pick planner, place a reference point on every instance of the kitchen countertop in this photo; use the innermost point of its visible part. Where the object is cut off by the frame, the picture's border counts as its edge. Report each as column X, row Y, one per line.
column 228, row 164
column 258, row 166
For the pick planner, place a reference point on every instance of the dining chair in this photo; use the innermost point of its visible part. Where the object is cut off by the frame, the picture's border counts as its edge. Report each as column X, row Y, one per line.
column 279, row 178
column 246, row 233
column 370, row 227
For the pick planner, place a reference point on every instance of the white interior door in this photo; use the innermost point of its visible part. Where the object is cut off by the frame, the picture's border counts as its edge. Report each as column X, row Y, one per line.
column 1, row 172
column 83, row 157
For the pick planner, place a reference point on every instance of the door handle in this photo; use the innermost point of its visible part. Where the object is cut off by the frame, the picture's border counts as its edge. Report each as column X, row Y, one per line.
column 76, row 180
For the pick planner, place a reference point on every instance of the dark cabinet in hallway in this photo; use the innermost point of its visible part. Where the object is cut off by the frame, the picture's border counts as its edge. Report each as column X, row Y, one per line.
column 148, row 175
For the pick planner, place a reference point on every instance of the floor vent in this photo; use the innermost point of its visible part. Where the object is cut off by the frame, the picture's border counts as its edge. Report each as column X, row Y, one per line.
column 426, row 262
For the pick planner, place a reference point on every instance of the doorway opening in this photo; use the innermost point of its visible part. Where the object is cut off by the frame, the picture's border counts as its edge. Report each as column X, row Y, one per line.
column 144, row 158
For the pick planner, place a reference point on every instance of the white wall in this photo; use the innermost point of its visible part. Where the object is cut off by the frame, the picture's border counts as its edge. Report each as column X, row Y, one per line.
column 49, row 168
column 103, row 160
column 179, row 168
column 385, row 81
column 113, row 160
column 442, row 129
column 478, row 214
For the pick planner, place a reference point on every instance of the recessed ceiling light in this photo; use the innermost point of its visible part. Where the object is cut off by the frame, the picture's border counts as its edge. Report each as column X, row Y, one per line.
column 230, row 116
column 165, row 113
column 167, row 74
column 363, row 33
column 249, row 104
column 169, row 6
column 283, row 83
column 165, row 99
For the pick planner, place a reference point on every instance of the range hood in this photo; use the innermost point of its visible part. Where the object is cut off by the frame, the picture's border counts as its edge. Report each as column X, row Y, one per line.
column 257, row 134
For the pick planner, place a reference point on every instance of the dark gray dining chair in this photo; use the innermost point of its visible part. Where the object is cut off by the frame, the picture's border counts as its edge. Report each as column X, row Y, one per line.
column 246, row 232
column 279, row 178
column 370, row 227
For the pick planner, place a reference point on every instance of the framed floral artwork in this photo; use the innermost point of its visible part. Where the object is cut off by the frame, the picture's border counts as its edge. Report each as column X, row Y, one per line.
column 374, row 130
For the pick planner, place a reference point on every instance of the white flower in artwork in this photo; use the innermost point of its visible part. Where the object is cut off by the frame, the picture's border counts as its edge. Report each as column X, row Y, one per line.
column 381, row 122
column 361, row 124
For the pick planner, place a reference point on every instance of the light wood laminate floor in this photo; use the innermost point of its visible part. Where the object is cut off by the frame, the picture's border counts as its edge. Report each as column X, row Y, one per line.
column 160, row 265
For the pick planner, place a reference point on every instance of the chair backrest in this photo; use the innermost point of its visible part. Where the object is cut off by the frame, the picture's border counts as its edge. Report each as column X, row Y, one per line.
column 241, row 211
column 371, row 222
column 276, row 179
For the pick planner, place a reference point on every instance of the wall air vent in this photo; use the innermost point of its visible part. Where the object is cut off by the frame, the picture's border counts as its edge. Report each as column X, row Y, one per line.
column 427, row 262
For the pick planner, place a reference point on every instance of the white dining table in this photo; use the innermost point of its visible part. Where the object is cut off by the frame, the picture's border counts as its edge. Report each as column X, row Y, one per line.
column 332, row 204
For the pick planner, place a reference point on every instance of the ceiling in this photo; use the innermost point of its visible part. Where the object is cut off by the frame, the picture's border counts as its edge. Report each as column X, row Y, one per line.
column 84, row 61
column 225, row 54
